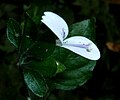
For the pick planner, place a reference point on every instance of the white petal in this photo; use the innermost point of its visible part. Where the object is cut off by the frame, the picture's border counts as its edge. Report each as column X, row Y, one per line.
column 77, row 45
column 53, row 27
column 56, row 24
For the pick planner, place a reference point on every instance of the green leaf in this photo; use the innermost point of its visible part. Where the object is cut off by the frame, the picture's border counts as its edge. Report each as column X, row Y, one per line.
column 74, row 61
column 60, row 54
column 25, row 46
column 35, row 82
column 47, row 67
column 13, row 32
column 71, row 60
column 42, row 49
column 71, row 79
column 84, row 28
column 78, row 69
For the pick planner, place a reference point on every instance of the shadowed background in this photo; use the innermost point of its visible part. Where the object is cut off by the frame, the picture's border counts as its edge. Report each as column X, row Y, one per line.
column 105, row 82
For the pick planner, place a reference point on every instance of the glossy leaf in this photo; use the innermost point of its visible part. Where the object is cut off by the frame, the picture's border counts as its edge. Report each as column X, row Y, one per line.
column 78, row 69
column 73, row 78
column 13, row 32
column 84, row 28
column 35, row 82
column 47, row 67
column 71, row 60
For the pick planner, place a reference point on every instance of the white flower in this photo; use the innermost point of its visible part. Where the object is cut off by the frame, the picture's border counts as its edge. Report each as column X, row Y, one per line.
column 77, row 44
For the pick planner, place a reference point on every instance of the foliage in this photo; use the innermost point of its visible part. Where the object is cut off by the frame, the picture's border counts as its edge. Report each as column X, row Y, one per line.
column 40, row 59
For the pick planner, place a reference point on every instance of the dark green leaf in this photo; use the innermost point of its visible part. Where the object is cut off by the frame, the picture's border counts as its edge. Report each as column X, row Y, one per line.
column 42, row 49
column 74, row 78
column 73, row 61
column 78, row 69
column 69, row 59
column 84, row 28
column 47, row 67
column 13, row 32
column 25, row 46
column 60, row 54
column 35, row 83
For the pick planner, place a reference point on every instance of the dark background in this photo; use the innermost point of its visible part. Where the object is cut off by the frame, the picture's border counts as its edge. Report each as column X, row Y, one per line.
column 105, row 82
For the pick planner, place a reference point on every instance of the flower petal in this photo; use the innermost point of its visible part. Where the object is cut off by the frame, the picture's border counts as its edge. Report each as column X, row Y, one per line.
column 56, row 24
column 82, row 46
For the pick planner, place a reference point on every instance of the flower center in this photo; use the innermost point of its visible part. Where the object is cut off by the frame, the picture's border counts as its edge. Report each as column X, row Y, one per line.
column 63, row 32
column 58, row 42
